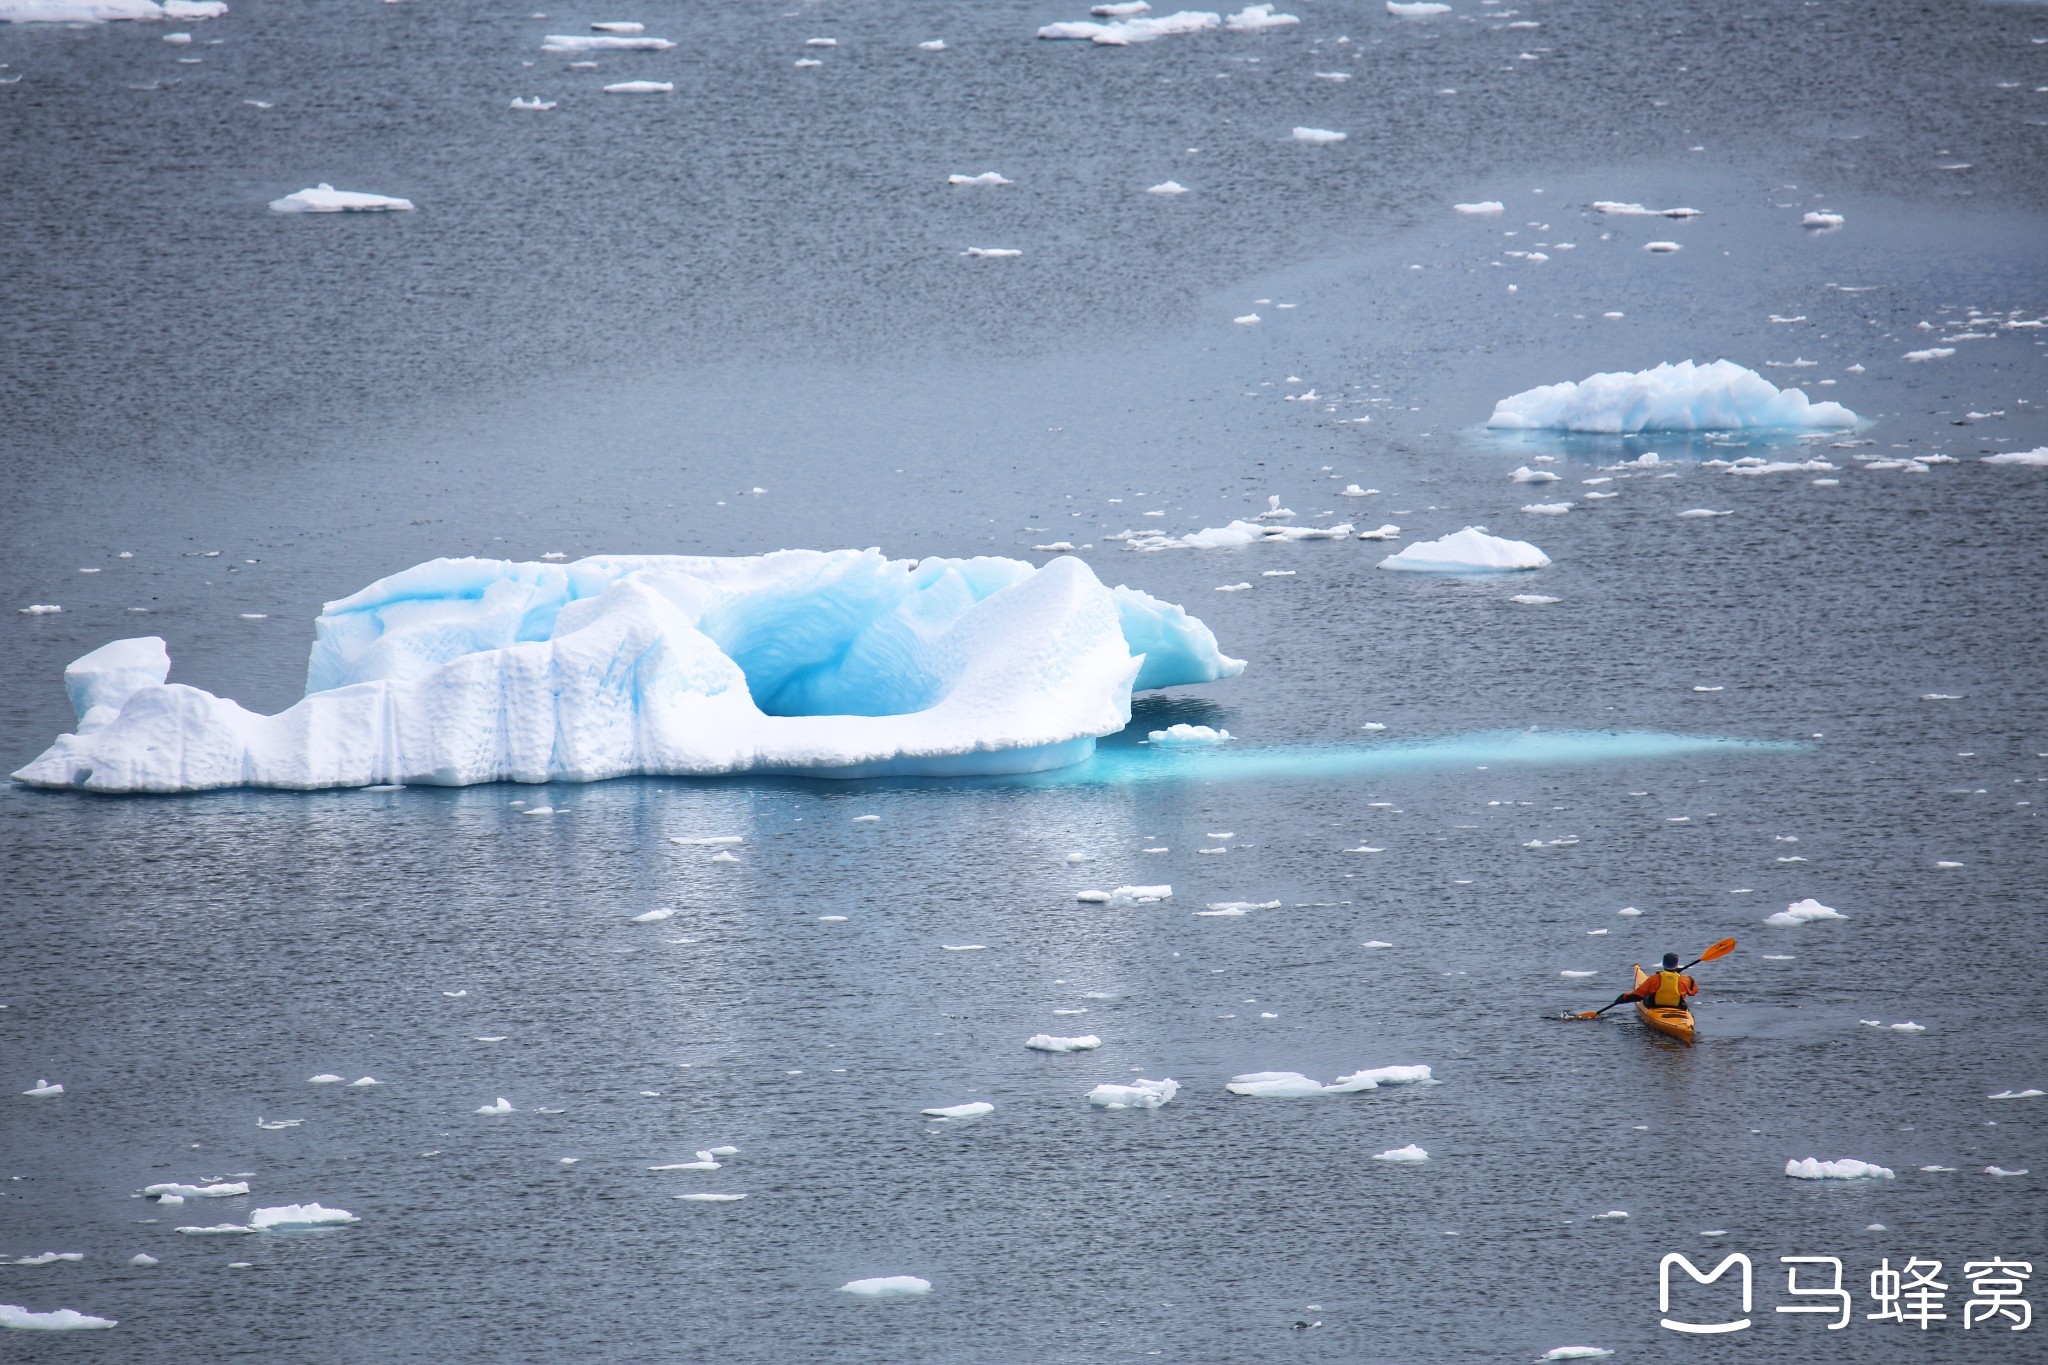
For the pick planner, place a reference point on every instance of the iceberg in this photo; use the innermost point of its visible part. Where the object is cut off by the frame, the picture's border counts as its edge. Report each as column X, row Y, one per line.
column 57, row 1319
column 86, row 12
column 2037, row 457
column 1410, row 1153
column 1136, row 1095
column 1257, row 19
column 827, row 664
column 1801, row 912
column 572, row 42
column 1047, row 1042
column 1468, row 551
column 1848, row 1168
column 887, row 1286
column 1137, row 29
column 289, row 1216
column 219, row 1190
column 1723, row 396
column 324, row 198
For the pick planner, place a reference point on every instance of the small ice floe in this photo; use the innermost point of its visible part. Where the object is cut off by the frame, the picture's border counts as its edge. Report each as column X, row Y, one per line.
column 503, row 1106
column 821, row 42
column 831, row 919
column 2000, row 1170
column 1137, row 1095
column 276, row 1125
column 705, row 1162
column 1534, row 599
column 1484, row 206
column 1352, row 490
column 621, row 26
column 47, row 1258
column 1524, row 474
column 224, row 1189
column 40, row 609
column 1376, row 943
column 1941, row 696
column 491, row 1038
column 1611, row 1216
column 1410, row 1153
column 1126, row 895
column 539, row 104
column 1338, row 76
column 887, row 1287
column 711, row 842
column 1181, row 736
column 1122, row 9
column 1669, row 397
column 1577, row 976
column 965, row 947
column 1137, row 28
column 2037, row 458
column 1247, row 320
column 1931, row 353
column 1616, row 208
column 56, row 1320
column 1823, row 220
column 1294, row 1085
column 1047, row 1042
column 1416, row 9
column 1848, row 1168
column 960, row 1111
column 1318, row 137
column 608, row 42
column 725, row 857
column 1547, row 509
column 217, row 1230
column 324, row 198
column 705, row 1197
column 1909, row 1027
column 43, row 1090
column 1662, row 248
column 1802, row 912
column 934, row 45
column 1233, row 909
column 1468, row 551
column 296, row 1217
column 1168, row 188
column 1387, row 532
column 1258, row 19
column 1703, row 513
column 985, row 178
column 653, row 916
column 1064, row 547
column 1575, row 1353
column 867, row 819
column 2015, row 1095
column 363, row 1083
column 1372, row 726
column 1939, row 1170
column 143, row 1258
column 641, row 88
column 324, row 1078
column 993, row 253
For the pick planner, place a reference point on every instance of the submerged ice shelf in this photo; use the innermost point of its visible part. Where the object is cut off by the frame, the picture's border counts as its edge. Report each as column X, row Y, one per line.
column 833, row 664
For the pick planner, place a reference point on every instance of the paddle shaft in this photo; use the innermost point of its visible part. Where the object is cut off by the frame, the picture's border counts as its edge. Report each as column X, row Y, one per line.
column 1595, row 1014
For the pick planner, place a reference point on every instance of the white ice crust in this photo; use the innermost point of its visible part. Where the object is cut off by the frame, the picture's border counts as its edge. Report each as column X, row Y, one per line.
column 1848, row 1168
column 887, row 1286
column 288, row 1216
column 1468, row 551
column 1136, row 1095
column 324, row 198
column 1137, row 29
column 105, row 11
column 1802, row 912
column 832, row 664
column 1723, row 396
column 56, row 1320
column 1287, row 1085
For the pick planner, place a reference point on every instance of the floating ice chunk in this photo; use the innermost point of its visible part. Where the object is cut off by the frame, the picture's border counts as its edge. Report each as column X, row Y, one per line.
column 1416, row 9
column 47, row 1258
column 1387, row 532
column 993, row 253
column 1137, row 1095
column 1246, row 320
column 1126, row 895
column 708, row 1198
column 821, row 42
column 567, row 42
column 1047, row 1042
column 1352, row 490
column 1547, row 509
column 619, row 26
column 1533, row 599
column 1409, row 1153
column 194, row 9
column 217, row 1230
column 363, row 1082
column 724, row 857
column 13, row 1315
column 1484, row 206
column 935, row 45
column 503, row 1106
column 1318, row 137
column 535, row 103
column 1848, row 1168
column 985, row 178
column 1821, row 220
column 2037, row 458
column 1802, row 912
column 1123, row 10
column 1181, row 736
column 887, row 1287
column 43, row 1090
column 275, row 1125
column 1662, row 248
column 1931, row 353
column 653, row 916
column 143, row 1258
column 1611, row 1216
column 1468, row 551
column 324, row 198
column 1257, row 19
column 285, row 1217
column 1702, row 513
column 844, row 664
column 2000, row 1170
column 1909, row 1027
column 1578, row 976
column 1753, row 466
column 1167, row 187
column 641, row 88
column 2015, row 1095
column 40, row 609
column 324, row 1078
column 1574, row 1352
column 1136, row 29
column 85, row 12
column 1619, row 209
column 224, row 1189
column 1524, row 474
column 961, row 1111
column 1680, row 397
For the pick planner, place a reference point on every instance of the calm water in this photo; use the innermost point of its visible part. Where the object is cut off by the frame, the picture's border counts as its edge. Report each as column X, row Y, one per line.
column 607, row 323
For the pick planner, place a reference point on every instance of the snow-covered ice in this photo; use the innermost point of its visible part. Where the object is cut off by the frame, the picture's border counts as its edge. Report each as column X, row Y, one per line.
column 44, row 1090
column 960, row 1111
column 641, row 88
column 1047, row 1042
column 1183, row 736
column 887, row 1286
column 1237, row 533
column 1848, row 1168
column 285, row 1217
column 2037, row 458
column 1931, row 353
column 573, row 42
column 1136, row 1095
column 324, row 198
column 1137, row 28
column 1126, row 895
column 842, row 664
column 1318, row 137
column 1802, row 912
column 1484, row 206
column 222, row 1189
column 985, row 178
column 1416, row 9
column 1257, row 19
column 13, row 1315
column 1682, row 397
column 1411, row 1153
column 1468, row 551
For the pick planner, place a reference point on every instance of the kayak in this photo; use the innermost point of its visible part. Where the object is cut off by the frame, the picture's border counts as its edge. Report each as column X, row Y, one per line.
column 1676, row 1022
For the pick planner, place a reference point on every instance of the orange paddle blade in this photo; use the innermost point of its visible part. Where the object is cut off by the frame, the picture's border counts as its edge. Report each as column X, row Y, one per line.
column 1719, row 950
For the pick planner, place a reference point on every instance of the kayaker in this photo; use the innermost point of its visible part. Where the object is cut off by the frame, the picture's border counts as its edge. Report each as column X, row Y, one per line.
column 1668, row 989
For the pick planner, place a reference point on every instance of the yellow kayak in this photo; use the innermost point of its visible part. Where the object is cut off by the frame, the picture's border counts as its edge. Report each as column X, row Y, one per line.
column 1676, row 1022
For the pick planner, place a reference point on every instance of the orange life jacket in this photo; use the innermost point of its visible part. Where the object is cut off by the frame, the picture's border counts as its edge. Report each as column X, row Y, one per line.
column 1669, row 989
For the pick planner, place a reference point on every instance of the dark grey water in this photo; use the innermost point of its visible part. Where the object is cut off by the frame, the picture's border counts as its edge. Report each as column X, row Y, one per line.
column 608, row 322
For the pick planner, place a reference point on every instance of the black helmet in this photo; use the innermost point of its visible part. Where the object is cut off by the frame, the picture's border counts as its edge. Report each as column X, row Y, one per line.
column 1671, row 962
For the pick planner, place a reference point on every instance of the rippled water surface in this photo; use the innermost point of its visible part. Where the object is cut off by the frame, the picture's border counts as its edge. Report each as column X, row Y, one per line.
column 608, row 323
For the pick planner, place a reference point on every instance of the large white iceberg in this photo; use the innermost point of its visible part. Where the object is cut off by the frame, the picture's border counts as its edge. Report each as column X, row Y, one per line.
column 1134, row 30
column 831, row 664
column 1468, row 551
column 1723, row 396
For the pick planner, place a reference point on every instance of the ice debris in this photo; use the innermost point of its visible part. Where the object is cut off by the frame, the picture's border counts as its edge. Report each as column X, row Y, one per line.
column 1722, row 396
column 1167, row 187
column 2015, row 1095
column 2037, row 458
column 46, row 1258
column 641, row 88
column 1483, row 207
column 1126, row 895
column 324, row 198
column 1468, row 551
column 503, row 1106
column 1237, row 533
column 1137, row 1095
column 1257, row 19
column 887, row 1287
column 1821, row 220
column 960, row 1111
column 1294, row 1085
column 1848, row 1168
column 1619, row 209
column 1318, row 137
column 1416, row 9
column 1802, row 912
column 286, row 1217
column 43, row 1090
column 1575, row 1353
column 13, row 1315
column 1524, row 474
column 567, row 42
column 708, row 1198
column 224, row 1189
column 1183, row 736
column 840, row 664
column 985, row 178
column 1410, row 1153
column 1046, row 1042
column 1138, row 28
column 102, row 12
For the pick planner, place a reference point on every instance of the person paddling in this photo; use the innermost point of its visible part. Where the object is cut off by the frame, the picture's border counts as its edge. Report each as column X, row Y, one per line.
column 1668, row 989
